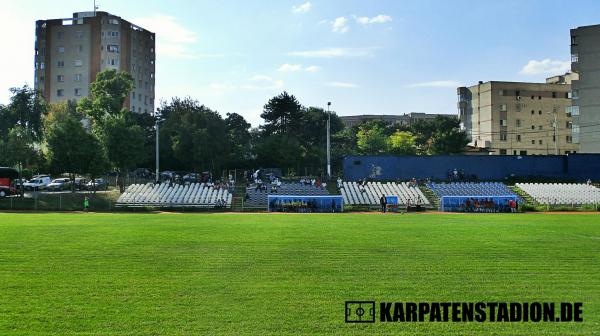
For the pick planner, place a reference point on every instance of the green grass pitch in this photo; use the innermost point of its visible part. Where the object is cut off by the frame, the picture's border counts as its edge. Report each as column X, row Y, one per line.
column 270, row 274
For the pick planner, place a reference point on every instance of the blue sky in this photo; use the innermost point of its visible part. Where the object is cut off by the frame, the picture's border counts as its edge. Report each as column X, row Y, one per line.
column 366, row 57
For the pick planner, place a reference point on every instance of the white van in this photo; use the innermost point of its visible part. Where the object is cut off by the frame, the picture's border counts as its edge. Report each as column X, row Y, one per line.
column 38, row 182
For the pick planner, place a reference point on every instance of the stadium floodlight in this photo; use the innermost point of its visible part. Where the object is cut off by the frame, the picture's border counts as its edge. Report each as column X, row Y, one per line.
column 328, row 141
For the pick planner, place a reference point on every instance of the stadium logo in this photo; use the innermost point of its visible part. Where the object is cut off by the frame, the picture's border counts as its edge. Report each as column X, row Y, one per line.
column 360, row 312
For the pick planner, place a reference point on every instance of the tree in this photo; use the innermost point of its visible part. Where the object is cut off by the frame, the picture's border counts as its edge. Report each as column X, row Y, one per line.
column 107, row 96
column 69, row 146
column 238, row 132
column 26, row 109
column 439, row 136
column 402, row 143
column 281, row 114
column 371, row 139
column 113, row 124
column 194, row 136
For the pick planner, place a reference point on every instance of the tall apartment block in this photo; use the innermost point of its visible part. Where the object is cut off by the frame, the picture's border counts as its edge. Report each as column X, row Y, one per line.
column 70, row 52
column 515, row 118
column 585, row 60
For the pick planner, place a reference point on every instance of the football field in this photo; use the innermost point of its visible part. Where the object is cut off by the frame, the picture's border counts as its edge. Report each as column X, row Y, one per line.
column 274, row 274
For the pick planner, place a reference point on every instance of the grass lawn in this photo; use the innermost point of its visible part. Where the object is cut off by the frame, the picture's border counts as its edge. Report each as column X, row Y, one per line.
column 270, row 274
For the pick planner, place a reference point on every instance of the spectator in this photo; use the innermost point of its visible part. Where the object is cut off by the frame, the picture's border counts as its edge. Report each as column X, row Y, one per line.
column 86, row 203
column 382, row 202
column 339, row 182
column 588, row 182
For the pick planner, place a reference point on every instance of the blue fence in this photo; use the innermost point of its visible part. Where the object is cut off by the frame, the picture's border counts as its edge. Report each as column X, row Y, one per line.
column 285, row 203
column 578, row 167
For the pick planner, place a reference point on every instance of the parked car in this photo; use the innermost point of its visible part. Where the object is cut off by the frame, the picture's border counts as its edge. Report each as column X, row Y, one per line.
column 38, row 182
column 97, row 184
column 59, row 184
column 80, row 183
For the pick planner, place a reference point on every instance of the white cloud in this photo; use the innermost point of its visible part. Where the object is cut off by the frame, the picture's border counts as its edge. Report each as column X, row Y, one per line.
column 172, row 39
column 312, row 68
column 16, row 66
column 303, row 8
column 342, row 85
column 333, row 52
column 365, row 20
column 262, row 82
column 340, row 25
column 290, row 67
column 297, row 67
column 545, row 66
column 437, row 84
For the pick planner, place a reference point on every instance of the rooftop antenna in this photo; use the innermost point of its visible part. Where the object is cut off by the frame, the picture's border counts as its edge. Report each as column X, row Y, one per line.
column 95, row 7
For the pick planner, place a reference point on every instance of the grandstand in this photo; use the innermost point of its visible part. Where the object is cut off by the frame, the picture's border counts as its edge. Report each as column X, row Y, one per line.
column 356, row 194
column 561, row 193
column 470, row 189
column 197, row 195
column 258, row 197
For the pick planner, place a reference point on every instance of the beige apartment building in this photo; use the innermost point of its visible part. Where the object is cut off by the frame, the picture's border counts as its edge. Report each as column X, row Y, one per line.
column 585, row 61
column 70, row 52
column 515, row 118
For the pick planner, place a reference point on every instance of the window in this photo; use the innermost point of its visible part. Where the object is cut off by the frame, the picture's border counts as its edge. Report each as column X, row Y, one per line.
column 540, row 112
column 78, row 34
column 532, row 127
column 113, row 21
column 523, row 153
column 518, row 107
column 152, row 76
column 60, row 78
column 133, row 95
column 574, row 57
column 77, row 92
column 553, row 94
column 503, row 152
column 114, row 62
column 60, row 92
column 518, row 122
column 518, row 137
column 554, row 138
column 540, row 142
column 77, row 63
column 573, row 40
column 533, row 142
column 539, row 97
column 42, row 65
column 575, row 94
column 532, row 97
column 139, row 84
column 145, row 100
column 60, row 64
column 79, row 49
column 569, row 139
column 501, row 92
column 60, row 35
column 112, row 48
column 532, row 112
column 503, row 137
column 502, row 107
column 61, row 50
column 132, row 108
column 113, row 34
column 503, row 122
column 569, row 125
column 572, row 110
column 540, row 127
column 518, row 93
column 77, row 77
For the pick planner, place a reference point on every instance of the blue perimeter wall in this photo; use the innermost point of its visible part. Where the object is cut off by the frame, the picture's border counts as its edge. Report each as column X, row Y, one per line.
column 486, row 167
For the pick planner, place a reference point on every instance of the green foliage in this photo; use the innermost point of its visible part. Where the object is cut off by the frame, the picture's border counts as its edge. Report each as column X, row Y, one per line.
column 107, row 96
column 70, row 148
column 371, row 139
column 26, row 109
column 238, row 133
column 124, row 142
column 281, row 114
column 402, row 143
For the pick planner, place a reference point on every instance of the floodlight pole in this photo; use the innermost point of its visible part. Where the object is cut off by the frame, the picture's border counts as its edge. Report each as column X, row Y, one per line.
column 156, row 115
column 328, row 140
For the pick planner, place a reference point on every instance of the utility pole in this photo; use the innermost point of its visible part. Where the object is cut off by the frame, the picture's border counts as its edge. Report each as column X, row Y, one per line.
column 328, row 141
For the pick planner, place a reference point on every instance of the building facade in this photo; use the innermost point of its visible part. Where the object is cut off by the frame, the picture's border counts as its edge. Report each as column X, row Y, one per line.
column 515, row 118
column 585, row 61
column 403, row 119
column 70, row 52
